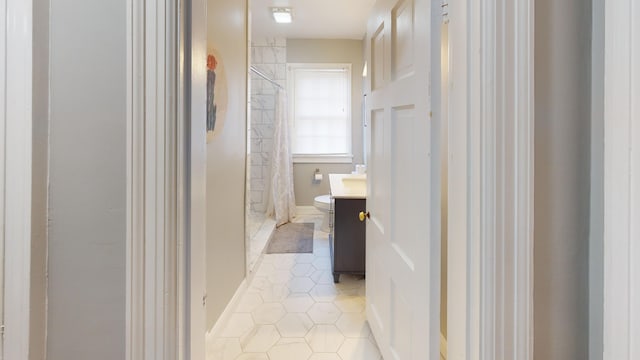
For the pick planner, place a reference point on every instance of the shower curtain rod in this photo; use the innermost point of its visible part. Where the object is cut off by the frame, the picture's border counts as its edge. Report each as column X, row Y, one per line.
column 259, row 73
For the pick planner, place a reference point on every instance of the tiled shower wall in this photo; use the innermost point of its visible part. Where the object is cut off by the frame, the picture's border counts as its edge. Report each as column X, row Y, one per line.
column 269, row 55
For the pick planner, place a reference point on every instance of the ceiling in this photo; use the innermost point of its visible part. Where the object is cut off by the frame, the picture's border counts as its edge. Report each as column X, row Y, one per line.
column 312, row 19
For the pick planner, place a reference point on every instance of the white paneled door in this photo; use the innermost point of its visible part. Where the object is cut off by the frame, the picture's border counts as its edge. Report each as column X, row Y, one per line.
column 16, row 132
column 402, row 278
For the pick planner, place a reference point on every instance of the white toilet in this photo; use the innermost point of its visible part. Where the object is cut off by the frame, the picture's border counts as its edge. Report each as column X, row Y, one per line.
column 323, row 203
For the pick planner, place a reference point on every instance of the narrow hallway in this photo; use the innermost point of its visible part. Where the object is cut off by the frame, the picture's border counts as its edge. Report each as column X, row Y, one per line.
column 292, row 310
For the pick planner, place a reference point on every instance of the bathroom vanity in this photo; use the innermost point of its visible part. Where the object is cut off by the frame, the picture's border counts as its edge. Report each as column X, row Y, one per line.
column 347, row 237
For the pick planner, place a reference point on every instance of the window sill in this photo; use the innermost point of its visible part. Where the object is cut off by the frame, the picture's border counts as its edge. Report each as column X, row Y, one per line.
column 323, row 159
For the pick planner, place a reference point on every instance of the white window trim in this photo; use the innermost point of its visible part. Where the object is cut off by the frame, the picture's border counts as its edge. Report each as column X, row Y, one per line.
column 323, row 159
column 346, row 158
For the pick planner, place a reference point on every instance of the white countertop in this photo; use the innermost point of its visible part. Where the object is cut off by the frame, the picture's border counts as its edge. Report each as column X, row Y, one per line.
column 348, row 186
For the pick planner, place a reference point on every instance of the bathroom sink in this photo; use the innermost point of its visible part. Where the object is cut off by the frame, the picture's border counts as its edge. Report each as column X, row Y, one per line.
column 353, row 186
column 354, row 177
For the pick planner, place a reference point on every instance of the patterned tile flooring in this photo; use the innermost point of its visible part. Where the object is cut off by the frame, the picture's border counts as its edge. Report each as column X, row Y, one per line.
column 292, row 310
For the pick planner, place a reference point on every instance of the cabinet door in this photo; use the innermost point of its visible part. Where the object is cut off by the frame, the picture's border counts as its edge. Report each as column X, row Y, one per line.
column 349, row 241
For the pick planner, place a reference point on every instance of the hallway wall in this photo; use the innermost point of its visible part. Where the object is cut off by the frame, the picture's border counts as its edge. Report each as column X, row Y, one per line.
column 226, row 159
column 596, row 239
column 87, row 180
column 562, row 186
column 39, row 180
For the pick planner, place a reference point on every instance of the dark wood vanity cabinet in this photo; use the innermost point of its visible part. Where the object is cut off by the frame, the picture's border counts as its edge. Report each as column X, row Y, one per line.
column 347, row 237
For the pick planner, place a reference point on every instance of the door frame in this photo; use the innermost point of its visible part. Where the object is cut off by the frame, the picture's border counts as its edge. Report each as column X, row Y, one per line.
column 16, row 73
column 621, row 186
column 166, row 163
column 490, row 287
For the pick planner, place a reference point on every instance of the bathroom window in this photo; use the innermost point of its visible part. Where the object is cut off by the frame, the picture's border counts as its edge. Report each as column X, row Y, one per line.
column 320, row 112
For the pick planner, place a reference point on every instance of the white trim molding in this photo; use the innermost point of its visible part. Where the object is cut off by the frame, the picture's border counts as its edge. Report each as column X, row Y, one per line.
column 507, row 160
column 491, row 180
column 622, row 181
column 155, row 297
column 166, row 169
column 322, row 159
column 16, row 46
column 223, row 319
column 194, row 50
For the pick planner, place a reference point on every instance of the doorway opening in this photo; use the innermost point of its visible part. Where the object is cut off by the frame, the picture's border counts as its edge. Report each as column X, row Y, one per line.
column 290, row 300
column 271, row 47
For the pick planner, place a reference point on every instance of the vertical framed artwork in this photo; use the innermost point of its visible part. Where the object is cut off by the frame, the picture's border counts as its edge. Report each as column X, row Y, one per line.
column 216, row 95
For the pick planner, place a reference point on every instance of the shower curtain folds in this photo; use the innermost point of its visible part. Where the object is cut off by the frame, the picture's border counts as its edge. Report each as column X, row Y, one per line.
column 282, row 203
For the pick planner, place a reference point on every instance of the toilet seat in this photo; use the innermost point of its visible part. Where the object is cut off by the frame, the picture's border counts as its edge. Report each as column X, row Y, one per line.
column 322, row 202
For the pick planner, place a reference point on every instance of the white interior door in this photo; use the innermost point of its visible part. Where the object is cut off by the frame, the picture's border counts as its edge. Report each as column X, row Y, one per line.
column 16, row 99
column 402, row 257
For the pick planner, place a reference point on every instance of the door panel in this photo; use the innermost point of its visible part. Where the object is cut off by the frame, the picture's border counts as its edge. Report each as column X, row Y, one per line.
column 402, row 38
column 400, row 334
column 377, row 198
column 401, row 278
column 377, row 58
column 403, row 125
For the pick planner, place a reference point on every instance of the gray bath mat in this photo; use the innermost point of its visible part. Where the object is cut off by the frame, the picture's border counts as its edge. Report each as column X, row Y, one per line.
column 291, row 238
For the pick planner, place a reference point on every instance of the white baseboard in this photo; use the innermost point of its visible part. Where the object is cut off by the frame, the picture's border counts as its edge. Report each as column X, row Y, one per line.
column 226, row 314
column 307, row 210
column 231, row 306
column 443, row 347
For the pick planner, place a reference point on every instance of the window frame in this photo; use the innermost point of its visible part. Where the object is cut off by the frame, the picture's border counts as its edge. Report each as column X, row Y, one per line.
column 321, row 158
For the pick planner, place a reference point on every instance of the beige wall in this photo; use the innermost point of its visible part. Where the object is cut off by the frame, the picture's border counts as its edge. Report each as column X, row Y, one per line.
column 562, row 187
column 596, row 243
column 39, row 181
column 226, row 156
column 87, row 187
column 329, row 51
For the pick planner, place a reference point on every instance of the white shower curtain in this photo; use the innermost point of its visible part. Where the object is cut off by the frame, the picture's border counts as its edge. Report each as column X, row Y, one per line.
column 282, row 202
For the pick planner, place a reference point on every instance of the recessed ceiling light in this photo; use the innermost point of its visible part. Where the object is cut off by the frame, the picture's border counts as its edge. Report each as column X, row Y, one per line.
column 282, row 15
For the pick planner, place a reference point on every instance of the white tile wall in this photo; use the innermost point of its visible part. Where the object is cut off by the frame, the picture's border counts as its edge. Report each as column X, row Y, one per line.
column 270, row 56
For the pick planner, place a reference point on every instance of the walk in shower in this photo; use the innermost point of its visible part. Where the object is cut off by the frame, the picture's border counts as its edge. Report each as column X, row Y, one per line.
column 267, row 72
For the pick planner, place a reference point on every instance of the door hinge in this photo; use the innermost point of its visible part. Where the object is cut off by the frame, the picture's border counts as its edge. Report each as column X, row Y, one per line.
column 444, row 4
column 2, row 330
column 204, row 300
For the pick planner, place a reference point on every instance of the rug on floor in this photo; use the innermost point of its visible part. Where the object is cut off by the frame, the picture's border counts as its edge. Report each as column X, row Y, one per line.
column 291, row 238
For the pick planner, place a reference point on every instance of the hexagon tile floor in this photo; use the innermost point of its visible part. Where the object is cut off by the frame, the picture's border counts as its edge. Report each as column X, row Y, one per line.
column 292, row 310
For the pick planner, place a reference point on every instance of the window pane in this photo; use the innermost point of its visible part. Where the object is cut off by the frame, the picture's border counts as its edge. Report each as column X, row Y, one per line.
column 321, row 111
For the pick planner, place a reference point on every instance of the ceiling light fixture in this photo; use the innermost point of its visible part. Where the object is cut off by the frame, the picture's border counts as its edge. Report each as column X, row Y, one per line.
column 282, row 15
